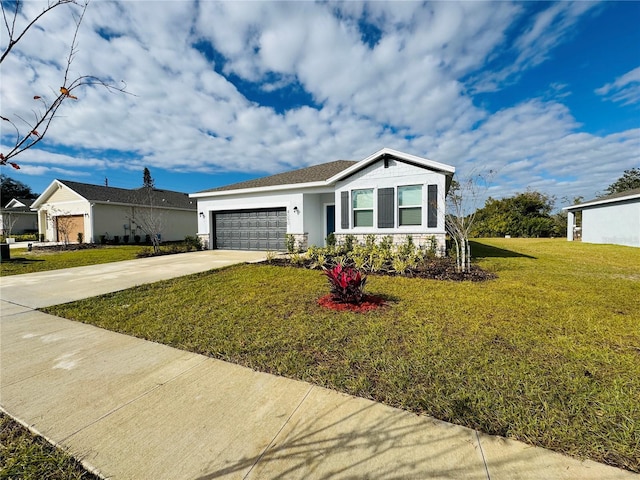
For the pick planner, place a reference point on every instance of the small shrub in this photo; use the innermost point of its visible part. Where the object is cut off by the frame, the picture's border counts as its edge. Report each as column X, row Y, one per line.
column 331, row 240
column 271, row 255
column 147, row 238
column 116, row 239
column 296, row 258
column 348, row 242
column 80, row 237
column 136, row 238
column 103, row 239
column 193, row 243
column 42, row 237
column 347, row 284
column 125, row 239
column 290, row 242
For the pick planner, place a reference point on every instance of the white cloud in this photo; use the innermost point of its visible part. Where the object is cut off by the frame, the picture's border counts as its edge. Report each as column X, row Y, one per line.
column 624, row 89
column 409, row 91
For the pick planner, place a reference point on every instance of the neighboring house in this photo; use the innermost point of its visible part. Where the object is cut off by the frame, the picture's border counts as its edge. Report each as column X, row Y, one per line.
column 17, row 218
column 67, row 208
column 611, row 219
column 388, row 193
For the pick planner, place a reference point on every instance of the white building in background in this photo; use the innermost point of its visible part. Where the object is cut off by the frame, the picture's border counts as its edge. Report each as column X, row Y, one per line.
column 612, row 219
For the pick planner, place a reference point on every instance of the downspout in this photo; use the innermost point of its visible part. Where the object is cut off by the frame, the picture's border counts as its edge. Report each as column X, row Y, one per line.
column 91, row 226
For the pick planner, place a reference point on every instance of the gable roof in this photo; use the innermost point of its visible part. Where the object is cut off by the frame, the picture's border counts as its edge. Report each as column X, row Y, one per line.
column 139, row 196
column 19, row 203
column 326, row 174
column 614, row 197
column 315, row 173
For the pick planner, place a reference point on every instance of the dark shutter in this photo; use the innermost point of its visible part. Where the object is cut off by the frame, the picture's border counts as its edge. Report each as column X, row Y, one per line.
column 344, row 210
column 432, row 206
column 386, row 208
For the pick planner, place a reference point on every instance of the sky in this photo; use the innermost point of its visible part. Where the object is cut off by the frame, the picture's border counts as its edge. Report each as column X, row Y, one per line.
column 546, row 95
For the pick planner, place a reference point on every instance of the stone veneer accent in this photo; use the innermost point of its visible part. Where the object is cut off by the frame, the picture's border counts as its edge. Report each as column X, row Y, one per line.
column 419, row 239
column 302, row 241
column 204, row 238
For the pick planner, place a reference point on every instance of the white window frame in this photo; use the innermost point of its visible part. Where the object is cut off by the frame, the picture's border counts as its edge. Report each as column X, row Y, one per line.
column 415, row 206
column 372, row 208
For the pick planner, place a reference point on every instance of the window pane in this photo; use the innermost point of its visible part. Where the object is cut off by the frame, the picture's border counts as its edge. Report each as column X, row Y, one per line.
column 363, row 218
column 363, row 198
column 410, row 195
column 411, row 216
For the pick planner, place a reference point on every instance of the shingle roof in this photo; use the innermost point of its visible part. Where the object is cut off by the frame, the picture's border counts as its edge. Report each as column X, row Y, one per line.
column 99, row 193
column 626, row 193
column 606, row 198
column 316, row 173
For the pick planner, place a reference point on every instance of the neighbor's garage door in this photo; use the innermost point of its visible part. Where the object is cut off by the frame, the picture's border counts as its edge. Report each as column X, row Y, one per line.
column 263, row 229
column 68, row 227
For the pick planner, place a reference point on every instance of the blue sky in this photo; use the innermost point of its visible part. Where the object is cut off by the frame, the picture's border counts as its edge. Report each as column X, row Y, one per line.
column 545, row 94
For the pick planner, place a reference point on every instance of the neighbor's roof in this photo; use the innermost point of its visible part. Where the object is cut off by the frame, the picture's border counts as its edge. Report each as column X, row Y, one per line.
column 614, row 197
column 19, row 203
column 139, row 196
column 316, row 173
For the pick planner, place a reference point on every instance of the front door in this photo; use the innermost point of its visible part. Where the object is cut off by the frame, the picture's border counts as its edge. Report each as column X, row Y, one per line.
column 331, row 219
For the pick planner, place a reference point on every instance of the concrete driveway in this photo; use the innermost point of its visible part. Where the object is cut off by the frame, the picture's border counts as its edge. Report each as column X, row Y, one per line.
column 37, row 290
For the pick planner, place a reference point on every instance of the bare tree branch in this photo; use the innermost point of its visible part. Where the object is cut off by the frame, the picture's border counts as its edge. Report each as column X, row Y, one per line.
column 43, row 118
column 11, row 30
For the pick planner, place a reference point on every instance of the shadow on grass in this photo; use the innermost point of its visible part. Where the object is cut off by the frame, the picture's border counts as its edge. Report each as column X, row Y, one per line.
column 22, row 261
column 480, row 250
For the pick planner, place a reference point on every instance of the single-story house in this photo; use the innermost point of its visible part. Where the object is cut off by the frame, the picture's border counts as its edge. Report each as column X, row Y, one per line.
column 389, row 193
column 68, row 208
column 611, row 219
column 17, row 218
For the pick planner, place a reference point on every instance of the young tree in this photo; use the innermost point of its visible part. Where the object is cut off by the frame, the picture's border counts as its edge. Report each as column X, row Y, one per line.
column 147, row 180
column 8, row 222
column 63, row 223
column 148, row 217
column 462, row 205
column 628, row 181
column 10, row 189
column 33, row 130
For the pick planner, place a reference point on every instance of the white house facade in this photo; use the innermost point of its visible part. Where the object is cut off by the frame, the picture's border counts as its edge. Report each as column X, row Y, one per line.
column 389, row 193
column 67, row 208
column 613, row 219
column 17, row 218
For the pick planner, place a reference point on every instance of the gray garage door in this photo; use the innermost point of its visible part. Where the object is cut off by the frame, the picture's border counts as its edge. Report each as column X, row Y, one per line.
column 263, row 229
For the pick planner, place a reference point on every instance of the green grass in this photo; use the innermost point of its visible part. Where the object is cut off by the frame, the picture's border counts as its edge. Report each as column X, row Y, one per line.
column 30, row 457
column 548, row 353
column 23, row 261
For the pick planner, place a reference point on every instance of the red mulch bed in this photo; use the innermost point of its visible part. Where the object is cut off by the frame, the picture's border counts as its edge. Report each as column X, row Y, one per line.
column 369, row 302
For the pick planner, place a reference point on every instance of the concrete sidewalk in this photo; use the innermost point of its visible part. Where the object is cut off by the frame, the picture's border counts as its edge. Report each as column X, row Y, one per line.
column 133, row 409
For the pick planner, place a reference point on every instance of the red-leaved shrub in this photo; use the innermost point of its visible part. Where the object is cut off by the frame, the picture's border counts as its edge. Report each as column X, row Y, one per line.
column 347, row 284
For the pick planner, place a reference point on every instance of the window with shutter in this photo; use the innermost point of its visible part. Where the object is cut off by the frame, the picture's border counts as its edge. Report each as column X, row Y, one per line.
column 410, row 205
column 362, row 207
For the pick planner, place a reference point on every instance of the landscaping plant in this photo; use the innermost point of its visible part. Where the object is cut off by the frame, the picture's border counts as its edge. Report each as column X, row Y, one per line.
column 347, row 284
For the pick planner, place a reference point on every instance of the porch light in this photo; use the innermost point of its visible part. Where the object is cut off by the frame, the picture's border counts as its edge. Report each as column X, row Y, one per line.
column 295, row 209
column 202, row 214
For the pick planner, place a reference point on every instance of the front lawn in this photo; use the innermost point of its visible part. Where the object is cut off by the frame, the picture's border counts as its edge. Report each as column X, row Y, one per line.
column 548, row 353
column 23, row 261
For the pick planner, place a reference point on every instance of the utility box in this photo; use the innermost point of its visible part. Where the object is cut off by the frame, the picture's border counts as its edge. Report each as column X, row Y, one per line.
column 5, row 252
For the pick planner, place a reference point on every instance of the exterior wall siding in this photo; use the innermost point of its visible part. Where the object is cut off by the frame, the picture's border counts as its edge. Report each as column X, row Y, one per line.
column 617, row 223
column 397, row 173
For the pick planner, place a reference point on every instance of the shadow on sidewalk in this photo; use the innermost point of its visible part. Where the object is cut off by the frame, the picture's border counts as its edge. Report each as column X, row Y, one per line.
column 391, row 447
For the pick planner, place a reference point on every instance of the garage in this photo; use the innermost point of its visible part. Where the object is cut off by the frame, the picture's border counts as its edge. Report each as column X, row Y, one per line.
column 260, row 229
column 68, row 227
